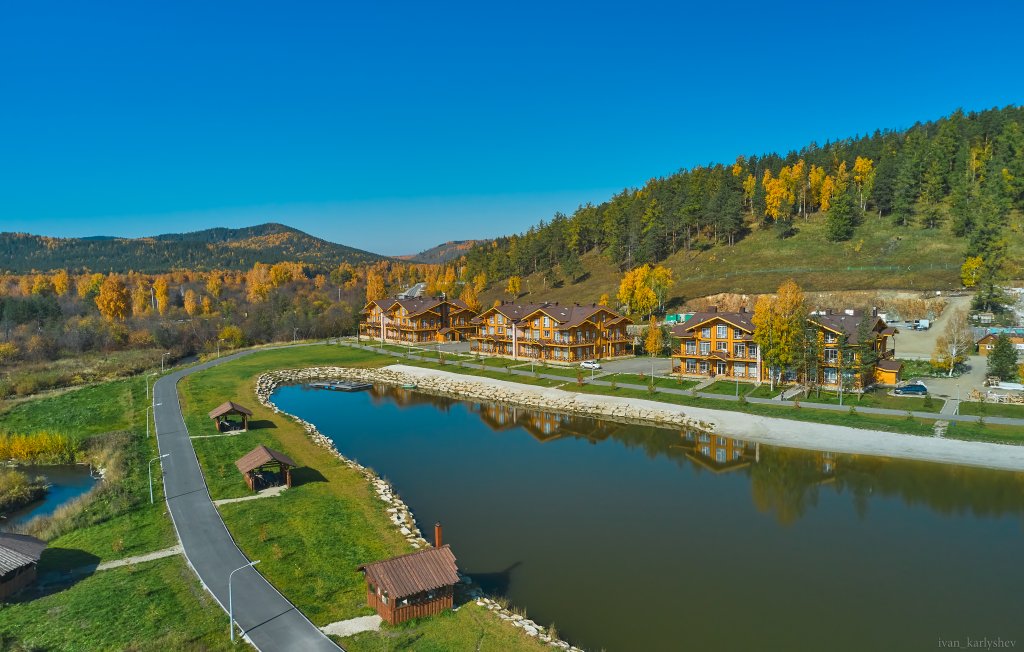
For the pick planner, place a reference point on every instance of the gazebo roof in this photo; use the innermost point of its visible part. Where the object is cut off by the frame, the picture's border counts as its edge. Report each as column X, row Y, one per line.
column 259, row 456
column 229, row 407
column 416, row 572
column 19, row 550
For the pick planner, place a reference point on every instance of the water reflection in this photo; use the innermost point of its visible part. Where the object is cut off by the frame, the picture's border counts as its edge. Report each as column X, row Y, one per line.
column 784, row 482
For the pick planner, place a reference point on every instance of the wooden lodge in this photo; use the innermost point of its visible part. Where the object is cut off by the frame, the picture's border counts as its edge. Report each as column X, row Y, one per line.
column 221, row 413
column 265, row 467
column 415, row 585
column 552, row 332
column 417, row 320
column 19, row 557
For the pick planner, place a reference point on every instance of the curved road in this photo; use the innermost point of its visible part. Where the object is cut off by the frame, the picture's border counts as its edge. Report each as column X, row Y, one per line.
column 268, row 619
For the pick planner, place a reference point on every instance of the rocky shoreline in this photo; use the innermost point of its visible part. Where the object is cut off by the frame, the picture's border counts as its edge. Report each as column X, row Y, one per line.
column 396, row 509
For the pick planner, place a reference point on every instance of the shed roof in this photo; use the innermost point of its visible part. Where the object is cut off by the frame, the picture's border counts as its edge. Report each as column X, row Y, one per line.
column 227, row 407
column 19, row 550
column 890, row 365
column 259, row 456
column 424, row 570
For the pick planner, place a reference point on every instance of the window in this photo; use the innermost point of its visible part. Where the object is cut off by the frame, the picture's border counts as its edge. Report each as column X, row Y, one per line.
column 830, row 376
column 831, row 338
column 691, row 348
column 740, row 368
column 737, row 333
column 723, row 331
column 721, row 367
column 722, row 345
column 752, row 350
column 691, row 366
column 752, row 370
column 831, row 356
column 739, row 350
column 703, row 367
column 705, row 348
column 536, row 334
column 547, row 322
column 720, row 456
column 705, row 332
column 721, row 441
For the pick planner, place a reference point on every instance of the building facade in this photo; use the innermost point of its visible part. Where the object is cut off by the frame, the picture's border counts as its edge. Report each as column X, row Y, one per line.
column 721, row 345
column 985, row 338
column 417, row 320
column 718, row 344
column 552, row 332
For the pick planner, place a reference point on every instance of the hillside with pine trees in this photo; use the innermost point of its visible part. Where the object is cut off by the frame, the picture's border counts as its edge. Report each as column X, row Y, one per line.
column 894, row 209
column 211, row 249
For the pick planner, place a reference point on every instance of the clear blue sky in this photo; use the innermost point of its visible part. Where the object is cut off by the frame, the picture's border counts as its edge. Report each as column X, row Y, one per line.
column 396, row 126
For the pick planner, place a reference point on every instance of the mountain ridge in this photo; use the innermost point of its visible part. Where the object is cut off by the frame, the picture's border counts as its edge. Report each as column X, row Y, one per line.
column 202, row 250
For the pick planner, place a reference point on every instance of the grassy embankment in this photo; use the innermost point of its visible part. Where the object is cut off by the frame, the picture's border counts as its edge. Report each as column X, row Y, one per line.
column 153, row 606
column 1012, row 410
column 29, row 378
column 761, row 261
column 312, row 537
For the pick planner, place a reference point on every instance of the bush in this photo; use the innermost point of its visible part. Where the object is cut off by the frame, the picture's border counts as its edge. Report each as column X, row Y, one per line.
column 18, row 490
column 44, row 447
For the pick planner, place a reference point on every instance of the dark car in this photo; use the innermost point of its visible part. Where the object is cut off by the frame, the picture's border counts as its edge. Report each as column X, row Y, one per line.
column 911, row 390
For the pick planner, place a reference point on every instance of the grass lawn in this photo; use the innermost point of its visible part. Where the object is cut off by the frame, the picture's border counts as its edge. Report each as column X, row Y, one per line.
column 728, row 387
column 1012, row 410
column 158, row 605
column 81, row 412
column 877, row 398
column 765, row 391
column 315, row 565
column 660, row 381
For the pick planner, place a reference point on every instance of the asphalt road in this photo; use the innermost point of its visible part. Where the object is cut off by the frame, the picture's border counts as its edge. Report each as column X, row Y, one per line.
column 268, row 619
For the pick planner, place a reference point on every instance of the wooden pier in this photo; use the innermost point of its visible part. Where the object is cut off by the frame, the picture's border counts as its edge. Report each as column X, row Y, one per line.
column 341, row 385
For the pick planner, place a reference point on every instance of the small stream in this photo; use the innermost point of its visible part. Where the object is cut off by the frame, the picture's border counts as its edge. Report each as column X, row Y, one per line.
column 67, row 482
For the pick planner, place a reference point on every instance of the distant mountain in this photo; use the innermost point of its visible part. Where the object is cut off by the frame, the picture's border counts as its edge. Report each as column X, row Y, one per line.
column 218, row 248
column 443, row 253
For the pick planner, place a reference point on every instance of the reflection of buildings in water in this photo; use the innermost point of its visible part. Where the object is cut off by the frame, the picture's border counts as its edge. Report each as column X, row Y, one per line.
column 717, row 453
column 542, row 425
column 408, row 398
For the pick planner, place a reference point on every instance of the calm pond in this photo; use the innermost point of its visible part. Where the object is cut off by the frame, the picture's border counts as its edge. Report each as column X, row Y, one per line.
column 67, row 481
column 637, row 538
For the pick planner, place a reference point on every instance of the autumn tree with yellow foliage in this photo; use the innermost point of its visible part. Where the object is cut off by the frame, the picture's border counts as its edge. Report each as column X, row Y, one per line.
column 779, row 328
column 375, row 289
column 513, row 287
column 113, row 299
column 162, row 294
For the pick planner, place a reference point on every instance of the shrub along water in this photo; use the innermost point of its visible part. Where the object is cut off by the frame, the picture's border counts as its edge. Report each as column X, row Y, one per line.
column 18, row 490
column 38, row 448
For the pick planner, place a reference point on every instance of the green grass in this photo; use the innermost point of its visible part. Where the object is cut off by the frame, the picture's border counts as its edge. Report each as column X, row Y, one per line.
column 1014, row 411
column 470, row 628
column 660, row 381
column 315, row 567
column 81, row 412
column 157, row 606
column 728, row 387
column 877, row 399
column 764, row 390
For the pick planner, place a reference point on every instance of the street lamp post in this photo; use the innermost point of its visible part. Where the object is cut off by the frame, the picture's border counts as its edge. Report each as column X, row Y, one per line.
column 162, row 360
column 151, row 474
column 147, row 385
column 219, row 340
column 151, row 407
column 295, row 332
column 231, row 604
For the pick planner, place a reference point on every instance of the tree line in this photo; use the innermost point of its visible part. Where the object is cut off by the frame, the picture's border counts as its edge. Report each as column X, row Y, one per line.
column 964, row 172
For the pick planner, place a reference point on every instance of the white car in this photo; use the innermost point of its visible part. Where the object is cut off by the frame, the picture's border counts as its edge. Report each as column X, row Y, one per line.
column 590, row 364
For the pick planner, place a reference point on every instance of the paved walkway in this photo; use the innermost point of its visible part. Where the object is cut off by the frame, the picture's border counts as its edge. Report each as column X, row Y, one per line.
column 353, row 626
column 138, row 559
column 265, row 493
column 270, row 622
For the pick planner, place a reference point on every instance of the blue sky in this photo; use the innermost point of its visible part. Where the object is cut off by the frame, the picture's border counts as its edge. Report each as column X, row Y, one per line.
column 396, row 126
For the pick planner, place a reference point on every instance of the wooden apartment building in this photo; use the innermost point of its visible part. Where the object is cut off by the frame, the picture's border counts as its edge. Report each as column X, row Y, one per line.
column 418, row 320
column 552, row 332
column 721, row 345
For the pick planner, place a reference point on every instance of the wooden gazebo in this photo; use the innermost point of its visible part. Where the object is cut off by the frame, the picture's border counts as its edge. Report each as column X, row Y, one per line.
column 415, row 585
column 265, row 467
column 219, row 414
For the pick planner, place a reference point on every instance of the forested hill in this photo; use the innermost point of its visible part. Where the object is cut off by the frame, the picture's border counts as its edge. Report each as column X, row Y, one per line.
column 957, row 181
column 235, row 249
column 444, row 253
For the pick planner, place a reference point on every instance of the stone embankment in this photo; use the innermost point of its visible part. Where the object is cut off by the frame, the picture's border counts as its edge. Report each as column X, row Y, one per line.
column 398, row 512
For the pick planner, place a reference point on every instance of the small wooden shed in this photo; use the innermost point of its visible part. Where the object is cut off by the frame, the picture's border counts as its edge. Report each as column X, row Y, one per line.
column 19, row 556
column 220, row 413
column 265, row 467
column 418, row 584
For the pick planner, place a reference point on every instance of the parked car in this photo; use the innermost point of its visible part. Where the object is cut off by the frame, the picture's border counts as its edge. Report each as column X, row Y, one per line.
column 590, row 364
column 912, row 389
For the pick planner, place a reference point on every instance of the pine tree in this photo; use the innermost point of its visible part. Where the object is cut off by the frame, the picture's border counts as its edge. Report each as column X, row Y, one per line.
column 841, row 219
column 1002, row 359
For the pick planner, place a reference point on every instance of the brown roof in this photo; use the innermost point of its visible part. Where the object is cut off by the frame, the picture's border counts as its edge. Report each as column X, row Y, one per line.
column 415, row 305
column 416, row 572
column 741, row 320
column 890, row 365
column 229, row 407
column 259, row 456
column 568, row 315
column 846, row 323
column 19, row 550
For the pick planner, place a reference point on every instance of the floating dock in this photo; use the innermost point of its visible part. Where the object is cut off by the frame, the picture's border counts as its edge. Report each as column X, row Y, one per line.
column 341, row 385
